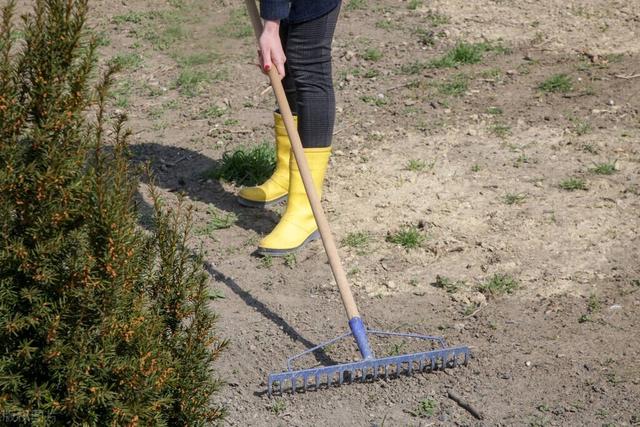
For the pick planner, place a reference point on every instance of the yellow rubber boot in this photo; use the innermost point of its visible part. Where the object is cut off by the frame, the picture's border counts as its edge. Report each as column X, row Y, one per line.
column 275, row 189
column 297, row 226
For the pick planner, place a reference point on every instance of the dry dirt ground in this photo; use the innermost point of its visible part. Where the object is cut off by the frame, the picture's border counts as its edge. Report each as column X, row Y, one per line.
column 479, row 159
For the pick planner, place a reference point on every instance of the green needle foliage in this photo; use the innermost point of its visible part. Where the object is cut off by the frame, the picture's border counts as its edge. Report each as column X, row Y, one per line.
column 101, row 323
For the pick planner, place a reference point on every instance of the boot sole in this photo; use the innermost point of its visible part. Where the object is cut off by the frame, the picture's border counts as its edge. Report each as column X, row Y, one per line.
column 282, row 252
column 253, row 204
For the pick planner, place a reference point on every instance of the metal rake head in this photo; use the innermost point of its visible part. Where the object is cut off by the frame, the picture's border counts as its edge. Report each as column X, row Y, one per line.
column 367, row 369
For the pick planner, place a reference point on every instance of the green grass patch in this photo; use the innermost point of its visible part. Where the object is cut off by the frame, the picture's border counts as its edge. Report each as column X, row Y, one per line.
column 437, row 19
column 127, row 60
column 356, row 5
column 414, row 4
column 212, row 112
column 466, row 53
column 606, row 168
column 495, row 111
column 499, row 284
column 195, row 59
column 558, row 83
column 426, row 408
column 190, row 82
column 456, row 86
column 447, row 284
column 244, row 166
column 122, row 94
column 374, row 100
column 407, row 237
column 359, row 240
column 130, row 18
column 514, row 198
column 500, row 130
column 417, row 165
column 372, row 54
column 572, row 184
column 218, row 221
column 413, row 68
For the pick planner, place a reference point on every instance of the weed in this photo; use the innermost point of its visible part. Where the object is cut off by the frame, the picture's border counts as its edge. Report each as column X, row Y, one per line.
column 437, row 19
column 469, row 309
column 581, row 127
column 266, row 261
column 500, row 130
column 246, row 166
column 278, row 406
column 356, row 5
column 425, row 37
column 130, row 18
column 426, row 408
column 499, row 284
column 522, row 158
column 590, row 148
column 412, row 68
column 370, row 74
column 475, row 168
column 191, row 81
column 594, row 304
column 417, row 165
column 407, row 237
column 122, row 94
column 218, row 221
column 606, row 168
column 457, row 86
column 492, row 73
column 374, row 100
column 213, row 112
column 559, row 83
column 572, row 184
column 514, row 198
column 385, row 24
column 447, row 284
column 195, row 59
column 413, row 282
column 397, row 349
column 465, row 53
column 414, row 4
column 216, row 294
column 358, row 240
column 372, row 54
column 127, row 60
column 290, row 260
column 496, row 111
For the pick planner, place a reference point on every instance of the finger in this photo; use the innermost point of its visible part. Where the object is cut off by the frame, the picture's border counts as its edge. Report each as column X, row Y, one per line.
column 281, row 69
column 266, row 60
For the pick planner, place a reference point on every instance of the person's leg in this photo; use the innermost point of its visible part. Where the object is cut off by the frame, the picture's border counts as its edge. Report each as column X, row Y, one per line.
column 309, row 64
column 276, row 188
column 308, row 51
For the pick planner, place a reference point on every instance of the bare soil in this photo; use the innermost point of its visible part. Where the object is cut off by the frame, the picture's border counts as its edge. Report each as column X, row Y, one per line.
column 484, row 189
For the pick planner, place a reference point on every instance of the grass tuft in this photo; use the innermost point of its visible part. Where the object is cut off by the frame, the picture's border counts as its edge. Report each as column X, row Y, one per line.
column 572, row 184
column 499, row 284
column 447, row 284
column 359, row 240
column 407, row 237
column 244, row 166
column 559, row 83
column 606, row 168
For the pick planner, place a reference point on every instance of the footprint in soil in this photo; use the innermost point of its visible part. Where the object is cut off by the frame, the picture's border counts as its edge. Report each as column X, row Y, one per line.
column 179, row 169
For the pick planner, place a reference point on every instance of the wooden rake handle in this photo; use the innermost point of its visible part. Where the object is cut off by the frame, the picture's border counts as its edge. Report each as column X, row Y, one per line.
column 296, row 145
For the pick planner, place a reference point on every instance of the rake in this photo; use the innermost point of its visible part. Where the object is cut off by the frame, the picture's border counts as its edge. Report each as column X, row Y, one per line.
column 369, row 367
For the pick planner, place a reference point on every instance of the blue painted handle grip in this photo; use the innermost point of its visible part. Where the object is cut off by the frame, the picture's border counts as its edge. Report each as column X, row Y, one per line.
column 360, row 334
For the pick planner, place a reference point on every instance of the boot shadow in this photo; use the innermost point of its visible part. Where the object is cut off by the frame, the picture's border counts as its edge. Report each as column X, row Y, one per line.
column 182, row 170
